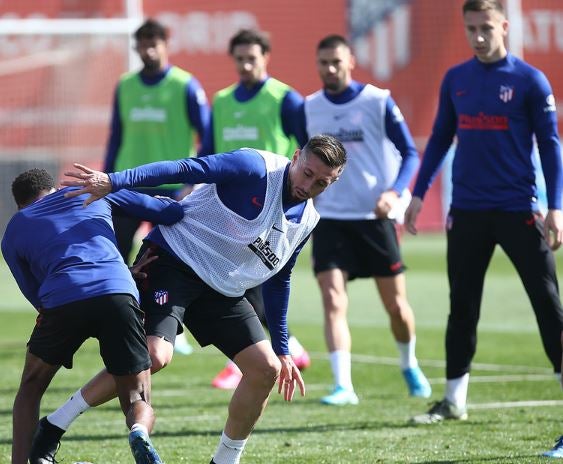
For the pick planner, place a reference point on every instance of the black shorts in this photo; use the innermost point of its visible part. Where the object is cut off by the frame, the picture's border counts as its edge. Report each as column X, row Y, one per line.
column 173, row 294
column 115, row 320
column 362, row 248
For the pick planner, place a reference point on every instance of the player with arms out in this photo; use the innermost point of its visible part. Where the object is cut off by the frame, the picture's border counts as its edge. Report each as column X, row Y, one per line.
column 226, row 244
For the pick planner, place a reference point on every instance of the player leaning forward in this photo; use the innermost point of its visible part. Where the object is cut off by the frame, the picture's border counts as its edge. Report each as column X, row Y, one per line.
column 245, row 226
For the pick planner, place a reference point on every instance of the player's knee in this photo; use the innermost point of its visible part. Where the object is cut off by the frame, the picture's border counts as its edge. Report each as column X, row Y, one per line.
column 266, row 372
column 161, row 353
column 160, row 359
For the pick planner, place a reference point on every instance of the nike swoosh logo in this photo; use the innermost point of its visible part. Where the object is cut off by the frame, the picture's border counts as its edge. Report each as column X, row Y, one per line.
column 275, row 228
column 256, row 202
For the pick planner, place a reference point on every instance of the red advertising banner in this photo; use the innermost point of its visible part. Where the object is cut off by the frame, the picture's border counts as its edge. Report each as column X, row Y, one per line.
column 56, row 92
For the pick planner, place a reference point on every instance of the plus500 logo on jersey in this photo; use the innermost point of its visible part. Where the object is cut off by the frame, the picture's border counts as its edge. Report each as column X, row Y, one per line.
column 262, row 249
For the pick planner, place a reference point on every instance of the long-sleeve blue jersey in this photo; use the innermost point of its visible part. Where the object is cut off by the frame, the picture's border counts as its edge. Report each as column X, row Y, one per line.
column 60, row 252
column 494, row 110
column 240, row 178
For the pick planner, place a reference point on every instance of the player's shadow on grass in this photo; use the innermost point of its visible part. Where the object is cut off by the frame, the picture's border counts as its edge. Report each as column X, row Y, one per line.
column 320, row 428
column 503, row 459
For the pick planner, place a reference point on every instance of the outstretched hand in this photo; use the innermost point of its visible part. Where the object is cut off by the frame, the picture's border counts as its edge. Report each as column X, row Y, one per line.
column 96, row 183
column 289, row 377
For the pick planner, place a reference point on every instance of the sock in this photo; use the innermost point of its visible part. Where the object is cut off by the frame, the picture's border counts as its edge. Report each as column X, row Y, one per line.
column 181, row 340
column 68, row 412
column 136, row 427
column 228, row 451
column 456, row 390
column 407, row 357
column 341, row 363
column 295, row 348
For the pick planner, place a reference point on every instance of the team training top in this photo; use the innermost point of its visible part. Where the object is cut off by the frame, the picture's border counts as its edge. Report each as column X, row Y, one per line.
column 156, row 118
column 60, row 252
column 263, row 116
column 381, row 152
column 494, row 109
column 240, row 229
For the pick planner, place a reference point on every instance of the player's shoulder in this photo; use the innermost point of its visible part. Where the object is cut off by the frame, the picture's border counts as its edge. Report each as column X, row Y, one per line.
column 373, row 92
column 225, row 91
column 464, row 68
column 178, row 72
column 525, row 69
column 128, row 77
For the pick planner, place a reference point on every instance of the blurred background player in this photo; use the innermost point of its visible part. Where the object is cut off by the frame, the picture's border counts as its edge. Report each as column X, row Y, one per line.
column 158, row 112
column 356, row 236
column 493, row 104
column 258, row 112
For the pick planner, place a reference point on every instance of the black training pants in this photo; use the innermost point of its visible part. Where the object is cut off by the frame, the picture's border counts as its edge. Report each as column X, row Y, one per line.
column 472, row 237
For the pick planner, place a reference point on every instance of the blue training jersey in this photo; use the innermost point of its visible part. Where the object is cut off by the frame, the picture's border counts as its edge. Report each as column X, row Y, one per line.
column 240, row 178
column 60, row 252
column 494, row 110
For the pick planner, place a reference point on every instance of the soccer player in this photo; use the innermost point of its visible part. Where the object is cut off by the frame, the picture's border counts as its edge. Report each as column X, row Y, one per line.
column 494, row 104
column 66, row 263
column 243, row 228
column 157, row 113
column 258, row 112
column 357, row 237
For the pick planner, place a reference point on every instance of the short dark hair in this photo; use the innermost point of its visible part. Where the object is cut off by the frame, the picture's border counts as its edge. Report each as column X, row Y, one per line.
column 332, row 41
column 29, row 184
column 483, row 5
column 328, row 148
column 250, row 37
column 151, row 29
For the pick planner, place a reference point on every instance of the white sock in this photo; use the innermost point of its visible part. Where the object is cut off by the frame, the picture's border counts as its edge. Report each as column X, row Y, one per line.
column 295, row 348
column 407, row 356
column 141, row 428
column 68, row 412
column 456, row 390
column 181, row 340
column 341, row 363
column 228, row 451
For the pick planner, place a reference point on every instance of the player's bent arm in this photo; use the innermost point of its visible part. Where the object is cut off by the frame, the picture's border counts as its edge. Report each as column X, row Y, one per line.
column 26, row 281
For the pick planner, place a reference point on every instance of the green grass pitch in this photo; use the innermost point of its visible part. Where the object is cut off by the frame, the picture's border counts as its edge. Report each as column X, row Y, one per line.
column 515, row 405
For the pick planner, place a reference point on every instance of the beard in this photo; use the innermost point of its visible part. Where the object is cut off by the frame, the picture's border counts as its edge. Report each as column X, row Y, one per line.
column 151, row 66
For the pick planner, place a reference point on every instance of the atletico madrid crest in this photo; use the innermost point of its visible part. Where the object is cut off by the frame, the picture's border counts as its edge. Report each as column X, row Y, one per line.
column 161, row 297
column 506, row 92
